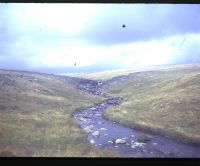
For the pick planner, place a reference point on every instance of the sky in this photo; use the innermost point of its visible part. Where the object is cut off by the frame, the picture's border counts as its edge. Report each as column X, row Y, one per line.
column 65, row 38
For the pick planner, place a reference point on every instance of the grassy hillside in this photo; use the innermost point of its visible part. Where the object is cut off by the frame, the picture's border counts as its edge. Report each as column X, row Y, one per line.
column 105, row 75
column 162, row 101
column 36, row 116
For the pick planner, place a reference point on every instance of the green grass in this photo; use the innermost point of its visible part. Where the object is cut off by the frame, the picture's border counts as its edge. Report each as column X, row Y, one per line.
column 166, row 102
column 36, row 117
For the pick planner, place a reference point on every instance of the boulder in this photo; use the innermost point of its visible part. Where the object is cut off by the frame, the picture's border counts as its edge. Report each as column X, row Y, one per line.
column 103, row 129
column 162, row 106
column 111, row 142
column 132, row 136
column 137, row 144
column 155, row 143
column 92, row 141
column 93, row 108
column 120, row 141
column 88, row 129
column 86, row 116
column 96, row 134
column 82, row 119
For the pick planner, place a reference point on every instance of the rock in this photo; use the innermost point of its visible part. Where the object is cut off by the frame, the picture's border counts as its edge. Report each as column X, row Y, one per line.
column 103, row 104
column 100, row 82
column 97, row 93
column 86, row 116
column 161, row 105
column 120, row 141
column 111, row 142
column 82, row 119
column 88, row 129
column 92, row 141
column 96, row 134
column 144, row 138
column 137, row 144
column 103, row 129
column 93, row 108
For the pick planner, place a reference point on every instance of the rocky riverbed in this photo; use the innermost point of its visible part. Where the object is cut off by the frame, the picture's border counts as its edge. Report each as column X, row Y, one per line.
column 128, row 142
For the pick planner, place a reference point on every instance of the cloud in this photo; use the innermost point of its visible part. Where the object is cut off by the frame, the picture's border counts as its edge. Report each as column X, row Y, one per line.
column 143, row 22
column 52, row 38
column 185, row 49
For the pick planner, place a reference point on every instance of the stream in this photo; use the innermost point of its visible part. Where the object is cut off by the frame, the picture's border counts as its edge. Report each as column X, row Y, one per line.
column 106, row 134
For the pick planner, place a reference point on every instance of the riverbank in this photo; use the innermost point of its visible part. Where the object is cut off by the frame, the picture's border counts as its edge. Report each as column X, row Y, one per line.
column 165, row 102
column 128, row 142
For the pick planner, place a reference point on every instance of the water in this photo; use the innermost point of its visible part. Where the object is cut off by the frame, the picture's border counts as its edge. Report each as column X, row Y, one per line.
column 158, row 146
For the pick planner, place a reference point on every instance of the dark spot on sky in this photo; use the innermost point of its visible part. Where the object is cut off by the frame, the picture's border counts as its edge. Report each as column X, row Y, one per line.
column 123, row 25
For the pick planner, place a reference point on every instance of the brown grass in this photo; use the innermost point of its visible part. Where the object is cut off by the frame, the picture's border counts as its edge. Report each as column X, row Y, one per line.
column 36, row 117
column 166, row 102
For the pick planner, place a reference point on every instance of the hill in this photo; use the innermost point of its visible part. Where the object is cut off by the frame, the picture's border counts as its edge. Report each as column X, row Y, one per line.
column 164, row 101
column 109, row 74
column 36, row 116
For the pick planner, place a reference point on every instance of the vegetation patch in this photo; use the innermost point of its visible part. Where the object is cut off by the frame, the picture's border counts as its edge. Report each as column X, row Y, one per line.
column 36, row 116
column 162, row 101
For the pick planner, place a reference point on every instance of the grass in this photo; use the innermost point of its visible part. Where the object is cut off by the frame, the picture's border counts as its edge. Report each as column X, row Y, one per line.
column 161, row 101
column 109, row 74
column 36, row 117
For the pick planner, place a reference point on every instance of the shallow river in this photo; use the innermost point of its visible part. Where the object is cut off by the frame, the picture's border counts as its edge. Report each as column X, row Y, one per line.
column 102, row 133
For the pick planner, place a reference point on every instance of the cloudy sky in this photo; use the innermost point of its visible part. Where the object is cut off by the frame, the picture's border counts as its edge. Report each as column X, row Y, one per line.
column 53, row 37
